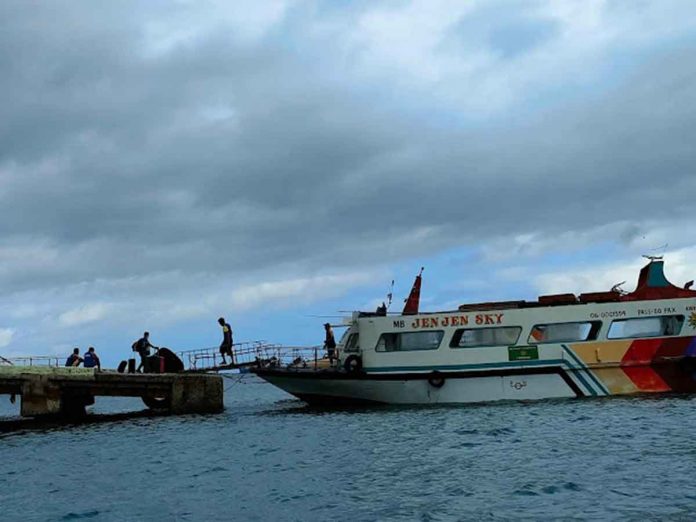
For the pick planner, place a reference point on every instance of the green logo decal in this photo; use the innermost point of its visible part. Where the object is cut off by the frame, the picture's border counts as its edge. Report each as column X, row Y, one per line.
column 523, row 353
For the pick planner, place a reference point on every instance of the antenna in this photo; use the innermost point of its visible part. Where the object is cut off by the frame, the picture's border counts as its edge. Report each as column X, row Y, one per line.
column 390, row 294
column 653, row 258
column 617, row 288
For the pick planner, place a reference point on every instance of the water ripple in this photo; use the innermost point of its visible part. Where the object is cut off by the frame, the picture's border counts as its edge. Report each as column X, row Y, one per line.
column 269, row 457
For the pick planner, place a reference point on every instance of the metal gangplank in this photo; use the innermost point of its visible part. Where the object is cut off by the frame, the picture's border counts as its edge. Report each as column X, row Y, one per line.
column 246, row 354
column 251, row 354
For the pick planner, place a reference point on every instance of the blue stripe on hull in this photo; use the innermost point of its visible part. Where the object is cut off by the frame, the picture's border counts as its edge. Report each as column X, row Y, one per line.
column 481, row 366
column 583, row 367
column 584, row 382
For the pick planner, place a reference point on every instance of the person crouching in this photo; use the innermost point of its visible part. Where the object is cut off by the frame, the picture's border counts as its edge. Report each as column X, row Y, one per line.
column 91, row 359
column 74, row 358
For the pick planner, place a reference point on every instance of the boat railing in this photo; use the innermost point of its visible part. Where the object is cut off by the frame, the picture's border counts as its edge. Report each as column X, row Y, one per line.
column 294, row 357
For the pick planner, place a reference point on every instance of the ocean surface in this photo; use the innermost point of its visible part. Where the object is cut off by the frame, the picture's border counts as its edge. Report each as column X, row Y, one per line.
column 269, row 457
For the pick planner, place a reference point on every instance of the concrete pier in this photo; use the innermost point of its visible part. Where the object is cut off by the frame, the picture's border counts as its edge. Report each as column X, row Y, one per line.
column 66, row 391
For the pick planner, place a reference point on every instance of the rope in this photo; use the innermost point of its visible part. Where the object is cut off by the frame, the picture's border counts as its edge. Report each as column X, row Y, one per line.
column 236, row 379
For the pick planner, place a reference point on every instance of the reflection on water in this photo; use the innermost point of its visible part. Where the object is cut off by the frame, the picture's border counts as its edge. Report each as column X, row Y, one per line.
column 269, row 457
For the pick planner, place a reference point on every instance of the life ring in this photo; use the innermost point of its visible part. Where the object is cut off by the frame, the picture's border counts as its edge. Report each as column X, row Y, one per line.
column 436, row 380
column 353, row 363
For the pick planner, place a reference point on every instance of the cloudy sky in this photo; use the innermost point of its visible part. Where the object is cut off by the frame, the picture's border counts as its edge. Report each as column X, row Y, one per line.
column 164, row 163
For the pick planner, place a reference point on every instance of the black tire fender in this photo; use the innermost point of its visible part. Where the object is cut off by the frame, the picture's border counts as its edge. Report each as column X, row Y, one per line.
column 353, row 363
column 157, row 403
column 436, row 379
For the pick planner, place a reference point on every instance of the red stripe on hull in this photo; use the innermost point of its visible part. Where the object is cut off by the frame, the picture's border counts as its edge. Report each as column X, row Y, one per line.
column 645, row 364
column 646, row 379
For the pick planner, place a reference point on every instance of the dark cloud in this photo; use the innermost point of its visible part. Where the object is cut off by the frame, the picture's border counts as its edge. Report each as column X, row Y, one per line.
column 506, row 32
column 235, row 155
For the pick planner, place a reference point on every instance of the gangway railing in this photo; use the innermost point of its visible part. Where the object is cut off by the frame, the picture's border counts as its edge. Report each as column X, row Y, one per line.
column 33, row 360
column 252, row 353
column 246, row 354
column 202, row 358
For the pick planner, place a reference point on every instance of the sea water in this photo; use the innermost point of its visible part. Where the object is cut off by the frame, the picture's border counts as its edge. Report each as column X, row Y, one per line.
column 269, row 457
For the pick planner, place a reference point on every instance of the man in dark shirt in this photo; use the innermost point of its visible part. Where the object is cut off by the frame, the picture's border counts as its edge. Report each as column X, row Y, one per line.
column 74, row 359
column 330, row 343
column 226, row 345
column 91, row 359
column 142, row 346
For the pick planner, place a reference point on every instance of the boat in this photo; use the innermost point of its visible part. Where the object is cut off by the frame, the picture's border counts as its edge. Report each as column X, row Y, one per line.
column 559, row 346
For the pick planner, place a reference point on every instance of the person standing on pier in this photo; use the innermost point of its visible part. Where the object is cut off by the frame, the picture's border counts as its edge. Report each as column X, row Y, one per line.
column 74, row 359
column 142, row 346
column 226, row 345
column 330, row 343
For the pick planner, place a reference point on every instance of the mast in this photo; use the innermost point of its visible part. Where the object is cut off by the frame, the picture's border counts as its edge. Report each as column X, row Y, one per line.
column 413, row 301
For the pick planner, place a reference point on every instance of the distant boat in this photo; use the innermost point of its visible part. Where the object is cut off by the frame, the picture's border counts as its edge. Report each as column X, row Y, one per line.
column 563, row 345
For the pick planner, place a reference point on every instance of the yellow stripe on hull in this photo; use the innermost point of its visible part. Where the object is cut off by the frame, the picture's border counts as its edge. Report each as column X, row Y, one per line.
column 607, row 352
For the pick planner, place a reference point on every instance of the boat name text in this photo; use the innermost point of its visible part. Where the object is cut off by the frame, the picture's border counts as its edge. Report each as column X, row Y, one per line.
column 457, row 320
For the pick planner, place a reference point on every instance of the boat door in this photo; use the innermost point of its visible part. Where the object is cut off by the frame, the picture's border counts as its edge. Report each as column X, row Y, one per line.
column 351, row 359
column 351, row 342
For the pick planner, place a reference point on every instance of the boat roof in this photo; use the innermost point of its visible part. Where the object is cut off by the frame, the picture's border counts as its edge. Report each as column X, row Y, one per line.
column 652, row 285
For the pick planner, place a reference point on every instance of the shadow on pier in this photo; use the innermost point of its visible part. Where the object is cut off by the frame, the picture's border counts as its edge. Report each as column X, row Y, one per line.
column 58, row 422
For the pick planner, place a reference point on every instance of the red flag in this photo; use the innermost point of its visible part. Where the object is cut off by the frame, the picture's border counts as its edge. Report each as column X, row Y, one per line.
column 411, row 306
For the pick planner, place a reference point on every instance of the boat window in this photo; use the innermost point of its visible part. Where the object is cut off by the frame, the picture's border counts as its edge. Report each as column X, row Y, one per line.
column 409, row 341
column 564, row 332
column 352, row 344
column 475, row 337
column 344, row 337
column 646, row 327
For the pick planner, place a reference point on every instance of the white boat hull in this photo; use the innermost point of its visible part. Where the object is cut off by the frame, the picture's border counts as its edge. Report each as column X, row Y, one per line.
column 444, row 389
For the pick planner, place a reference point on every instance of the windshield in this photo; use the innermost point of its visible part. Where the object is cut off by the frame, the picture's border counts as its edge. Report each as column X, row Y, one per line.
column 352, row 344
column 344, row 337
